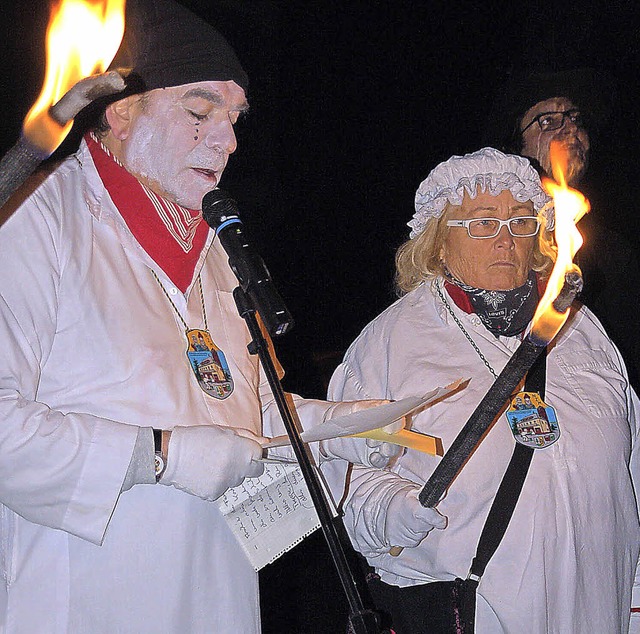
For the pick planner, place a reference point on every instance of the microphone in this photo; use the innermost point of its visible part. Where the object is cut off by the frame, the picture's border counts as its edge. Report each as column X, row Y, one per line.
column 220, row 212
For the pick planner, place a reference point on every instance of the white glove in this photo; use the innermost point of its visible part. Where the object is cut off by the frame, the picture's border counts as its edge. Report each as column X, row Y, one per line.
column 407, row 522
column 364, row 451
column 206, row 460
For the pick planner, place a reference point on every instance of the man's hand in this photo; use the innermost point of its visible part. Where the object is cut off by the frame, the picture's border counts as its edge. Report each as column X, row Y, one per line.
column 206, row 460
column 364, row 451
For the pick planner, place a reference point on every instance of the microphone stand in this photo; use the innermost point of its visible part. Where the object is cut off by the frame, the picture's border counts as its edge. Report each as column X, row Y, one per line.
column 361, row 620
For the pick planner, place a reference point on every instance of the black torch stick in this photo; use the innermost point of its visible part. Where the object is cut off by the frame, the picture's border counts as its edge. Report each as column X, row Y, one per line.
column 25, row 156
column 494, row 400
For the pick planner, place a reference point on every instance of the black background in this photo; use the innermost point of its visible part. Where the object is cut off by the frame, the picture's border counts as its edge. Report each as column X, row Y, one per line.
column 352, row 104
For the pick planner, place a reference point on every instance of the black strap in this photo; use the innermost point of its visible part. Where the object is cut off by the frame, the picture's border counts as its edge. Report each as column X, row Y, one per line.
column 509, row 491
column 157, row 440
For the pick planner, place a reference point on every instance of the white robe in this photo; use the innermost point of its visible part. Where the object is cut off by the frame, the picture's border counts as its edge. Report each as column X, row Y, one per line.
column 92, row 349
column 567, row 561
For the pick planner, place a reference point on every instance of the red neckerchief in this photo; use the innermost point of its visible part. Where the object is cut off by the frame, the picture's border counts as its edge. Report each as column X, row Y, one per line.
column 459, row 297
column 462, row 301
column 172, row 235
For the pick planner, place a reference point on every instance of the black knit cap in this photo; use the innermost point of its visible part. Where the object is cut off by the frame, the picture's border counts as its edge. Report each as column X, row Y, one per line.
column 588, row 89
column 167, row 45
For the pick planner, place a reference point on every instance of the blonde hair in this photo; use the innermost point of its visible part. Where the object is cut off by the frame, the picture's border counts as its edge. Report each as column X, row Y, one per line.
column 418, row 259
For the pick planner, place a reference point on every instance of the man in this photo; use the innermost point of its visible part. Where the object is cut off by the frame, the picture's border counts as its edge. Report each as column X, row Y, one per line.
column 531, row 111
column 564, row 107
column 556, row 120
column 113, row 453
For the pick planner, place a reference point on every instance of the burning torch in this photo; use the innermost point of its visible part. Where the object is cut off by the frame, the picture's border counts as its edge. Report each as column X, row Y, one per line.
column 83, row 37
column 564, row 284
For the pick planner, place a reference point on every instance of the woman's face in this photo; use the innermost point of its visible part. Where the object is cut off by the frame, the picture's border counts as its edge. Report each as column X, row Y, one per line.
column 497, row 264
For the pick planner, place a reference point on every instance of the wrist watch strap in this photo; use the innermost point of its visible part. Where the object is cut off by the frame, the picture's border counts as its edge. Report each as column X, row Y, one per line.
column 159, row 461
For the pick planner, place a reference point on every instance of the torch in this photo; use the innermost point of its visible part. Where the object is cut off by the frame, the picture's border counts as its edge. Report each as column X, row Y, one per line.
column 83, row 37
column 552, row 312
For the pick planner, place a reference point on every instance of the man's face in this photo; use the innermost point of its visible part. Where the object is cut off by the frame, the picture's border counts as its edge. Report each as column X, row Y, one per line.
column 574, row 139
column 179, row 139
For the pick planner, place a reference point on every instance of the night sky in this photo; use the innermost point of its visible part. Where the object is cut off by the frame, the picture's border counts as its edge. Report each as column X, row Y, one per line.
column 352, row 104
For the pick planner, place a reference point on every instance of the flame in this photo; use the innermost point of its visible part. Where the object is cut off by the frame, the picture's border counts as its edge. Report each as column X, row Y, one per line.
column 83, row 37
column 570, row 205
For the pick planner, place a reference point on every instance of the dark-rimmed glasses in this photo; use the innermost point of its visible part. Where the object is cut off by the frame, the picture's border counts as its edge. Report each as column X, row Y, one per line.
column 554, row 120
column 519, row 227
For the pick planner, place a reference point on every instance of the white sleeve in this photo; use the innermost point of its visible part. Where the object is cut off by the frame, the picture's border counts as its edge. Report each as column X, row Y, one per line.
column 307, row 413
column 365, row 508
column 634, row 468
column 343, row 385
column 62, row 470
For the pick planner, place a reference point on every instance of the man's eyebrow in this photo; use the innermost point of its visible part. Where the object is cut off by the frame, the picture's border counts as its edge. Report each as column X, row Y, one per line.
column 213, row 96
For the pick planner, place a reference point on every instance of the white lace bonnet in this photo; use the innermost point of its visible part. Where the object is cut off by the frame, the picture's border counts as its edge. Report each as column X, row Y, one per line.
column 488, row 168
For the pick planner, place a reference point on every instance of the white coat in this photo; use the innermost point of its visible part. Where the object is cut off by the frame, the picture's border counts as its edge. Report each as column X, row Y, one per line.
column 567, row 562
column 92, row 349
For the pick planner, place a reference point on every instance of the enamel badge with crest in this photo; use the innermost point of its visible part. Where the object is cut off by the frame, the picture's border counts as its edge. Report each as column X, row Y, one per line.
column 533, row 422
column 209, row 364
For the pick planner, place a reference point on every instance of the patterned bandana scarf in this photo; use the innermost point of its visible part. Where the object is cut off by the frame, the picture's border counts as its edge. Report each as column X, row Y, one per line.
column 505, row 313
column 172, row 235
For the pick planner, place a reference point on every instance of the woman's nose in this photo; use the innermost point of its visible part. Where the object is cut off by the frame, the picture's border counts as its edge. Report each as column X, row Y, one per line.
column 504, row 237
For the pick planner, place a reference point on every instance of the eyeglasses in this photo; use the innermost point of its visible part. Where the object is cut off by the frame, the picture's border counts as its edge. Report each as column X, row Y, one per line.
column 549, row 121
column 519, row 227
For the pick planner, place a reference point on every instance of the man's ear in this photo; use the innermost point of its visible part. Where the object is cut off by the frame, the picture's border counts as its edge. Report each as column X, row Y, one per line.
column 120, row 115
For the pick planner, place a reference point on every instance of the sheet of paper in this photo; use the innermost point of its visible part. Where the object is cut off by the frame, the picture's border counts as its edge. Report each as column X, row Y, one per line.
column 369, row 419
column 269, row 515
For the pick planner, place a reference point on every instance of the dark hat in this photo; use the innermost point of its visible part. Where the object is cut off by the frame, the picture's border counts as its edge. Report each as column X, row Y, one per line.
column 166, row 45
column 588, row 89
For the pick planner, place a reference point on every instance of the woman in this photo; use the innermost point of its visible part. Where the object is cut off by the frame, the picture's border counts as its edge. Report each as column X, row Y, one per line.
column 470, row 277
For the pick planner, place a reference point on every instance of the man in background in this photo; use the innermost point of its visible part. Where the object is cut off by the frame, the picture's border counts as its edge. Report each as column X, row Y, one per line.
column 570, row 107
